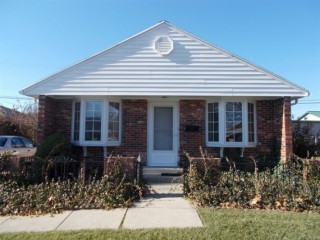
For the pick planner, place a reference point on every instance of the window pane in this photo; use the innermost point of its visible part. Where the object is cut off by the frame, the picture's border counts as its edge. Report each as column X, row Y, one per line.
column 76, row 136
column 238, row 137
column 229, row 126
column 238, row 116
column 229, row 106
column 213, row 122
column 97, row 126
column 251, row 134
column 237, row 106
column 89, row 125
column 17, row 143
column 216, row 126
column 93, row 120
column 76, row 121
column 210, row 137
column 216, row 136
column 216, row 115
column 229, row 116
column 96, row 136
column 163, row 128
column 210, row 117
column 97, row 113
column 234, row 122
column 3, row 141
column 97, row 107
column 88, row 136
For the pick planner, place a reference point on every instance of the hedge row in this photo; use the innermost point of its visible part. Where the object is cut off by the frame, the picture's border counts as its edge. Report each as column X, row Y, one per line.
column 286, row 187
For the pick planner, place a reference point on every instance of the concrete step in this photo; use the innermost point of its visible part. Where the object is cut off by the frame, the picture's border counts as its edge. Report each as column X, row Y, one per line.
column 164, row 190
column 162, row 175
column 162, row 179
column 162, row 171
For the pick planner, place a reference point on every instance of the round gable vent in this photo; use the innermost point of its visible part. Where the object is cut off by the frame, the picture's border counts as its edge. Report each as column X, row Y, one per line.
column 163, row 45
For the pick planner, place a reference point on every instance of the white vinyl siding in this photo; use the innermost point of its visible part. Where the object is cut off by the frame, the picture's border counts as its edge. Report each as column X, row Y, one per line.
column 96, row 122
column 193, row 68
column 231, row 123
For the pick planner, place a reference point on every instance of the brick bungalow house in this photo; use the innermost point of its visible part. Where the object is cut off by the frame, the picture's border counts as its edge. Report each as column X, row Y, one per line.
column 163, row 91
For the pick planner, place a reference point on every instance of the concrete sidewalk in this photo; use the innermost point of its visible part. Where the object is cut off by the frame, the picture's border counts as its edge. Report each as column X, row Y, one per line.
column 163, row 207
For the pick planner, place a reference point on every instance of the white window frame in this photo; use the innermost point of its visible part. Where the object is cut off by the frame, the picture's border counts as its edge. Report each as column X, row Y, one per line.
column 222, row 124
column 104, row 123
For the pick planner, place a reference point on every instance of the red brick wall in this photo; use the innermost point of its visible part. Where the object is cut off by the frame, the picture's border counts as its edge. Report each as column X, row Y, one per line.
column 283, row 116
column 192, row 112
column 63, row 118
column 55, row 116
column 273, row 127
column 134, row 128
column 45, row 118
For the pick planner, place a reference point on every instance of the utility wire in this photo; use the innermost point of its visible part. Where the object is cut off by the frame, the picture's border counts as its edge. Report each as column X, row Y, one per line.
column 12, row 97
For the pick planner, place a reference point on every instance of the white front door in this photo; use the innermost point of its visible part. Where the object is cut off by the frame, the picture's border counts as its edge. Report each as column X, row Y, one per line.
column 163, row 134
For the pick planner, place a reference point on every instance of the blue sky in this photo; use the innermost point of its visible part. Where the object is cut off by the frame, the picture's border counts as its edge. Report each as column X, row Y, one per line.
column 41, row 37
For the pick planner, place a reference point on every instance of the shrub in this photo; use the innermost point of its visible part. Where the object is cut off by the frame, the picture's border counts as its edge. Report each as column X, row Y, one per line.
column 5, row 161
column 115, row 189
column 285, row 187
column 53, row 145
column 304, row 142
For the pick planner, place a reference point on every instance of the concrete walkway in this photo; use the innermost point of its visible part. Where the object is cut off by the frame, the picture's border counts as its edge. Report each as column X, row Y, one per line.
column 163, row 207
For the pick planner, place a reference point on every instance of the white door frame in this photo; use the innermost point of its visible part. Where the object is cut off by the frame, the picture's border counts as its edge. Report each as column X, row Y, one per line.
column 151, row 152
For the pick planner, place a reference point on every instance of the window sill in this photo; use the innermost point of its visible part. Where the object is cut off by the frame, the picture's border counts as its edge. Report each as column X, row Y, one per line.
column 231, row 145
column 97, row 144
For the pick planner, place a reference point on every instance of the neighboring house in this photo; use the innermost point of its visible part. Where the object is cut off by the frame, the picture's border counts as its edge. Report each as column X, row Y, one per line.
column 310, row 119
column 163, row 92
column 311, row 116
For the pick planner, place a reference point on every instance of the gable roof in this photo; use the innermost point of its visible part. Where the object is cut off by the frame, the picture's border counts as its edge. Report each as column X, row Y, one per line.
column 315, row 116
column 193, row 67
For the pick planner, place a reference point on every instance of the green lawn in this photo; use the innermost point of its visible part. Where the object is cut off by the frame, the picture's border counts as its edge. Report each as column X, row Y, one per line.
column 219, row 224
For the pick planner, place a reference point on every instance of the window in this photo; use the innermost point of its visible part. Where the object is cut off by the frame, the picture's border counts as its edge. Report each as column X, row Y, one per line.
column 76, row 121
column 114, row 120
column 93, row 121
column 251, row 131
column 17, row 143
column 28, row 143
column 234, row 122
column 3, row 141
column 96, row 123
column 213, row 122
column 231, row 124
